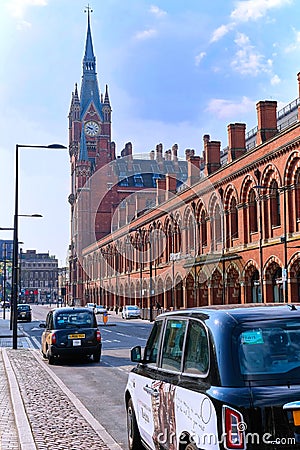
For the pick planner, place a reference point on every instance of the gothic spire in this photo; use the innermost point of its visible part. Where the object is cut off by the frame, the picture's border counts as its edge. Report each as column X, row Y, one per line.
column 106, row 98
column 89, row 86
column 89, row 61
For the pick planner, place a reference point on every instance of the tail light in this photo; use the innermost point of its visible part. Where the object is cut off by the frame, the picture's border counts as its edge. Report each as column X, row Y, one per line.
column 98, row 336
column 53, row 338
column 234, row 429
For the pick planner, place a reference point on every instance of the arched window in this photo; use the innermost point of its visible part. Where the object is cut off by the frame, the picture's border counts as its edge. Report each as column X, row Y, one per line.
column 297, row 197
column 234, row 219
column 253, row 205
column 274, row 204
column 203, row 229
column 218, row 225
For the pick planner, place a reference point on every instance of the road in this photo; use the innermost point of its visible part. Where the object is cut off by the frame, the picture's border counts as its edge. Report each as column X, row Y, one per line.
column 100, row 387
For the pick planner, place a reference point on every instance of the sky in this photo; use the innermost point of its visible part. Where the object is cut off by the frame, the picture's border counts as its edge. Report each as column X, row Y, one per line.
column 175, row 70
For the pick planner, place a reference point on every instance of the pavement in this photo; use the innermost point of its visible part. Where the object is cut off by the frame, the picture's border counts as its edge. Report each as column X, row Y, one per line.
column 37, row 410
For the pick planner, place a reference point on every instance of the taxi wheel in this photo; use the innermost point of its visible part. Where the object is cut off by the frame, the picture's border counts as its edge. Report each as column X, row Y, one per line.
column 51, row 360
column 134, row 440
column 96, row 357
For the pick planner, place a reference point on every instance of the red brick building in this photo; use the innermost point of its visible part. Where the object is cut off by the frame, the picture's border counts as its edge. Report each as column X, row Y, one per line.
column 223, row 227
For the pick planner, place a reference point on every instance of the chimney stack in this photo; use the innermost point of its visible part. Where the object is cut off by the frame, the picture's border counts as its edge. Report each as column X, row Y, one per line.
column 212, row 155
column 266, row 120
column 236, row 140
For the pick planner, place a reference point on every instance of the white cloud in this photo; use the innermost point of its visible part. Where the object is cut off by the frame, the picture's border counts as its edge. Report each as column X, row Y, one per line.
column 275, row 80
column 17, row 8
column 146, row 34
column 199, row 57
column 255, row 9
column 245, row 11
column 247, row 61
column 157, row 11
column 296, row 44
column 224, row 109
column 221, row 32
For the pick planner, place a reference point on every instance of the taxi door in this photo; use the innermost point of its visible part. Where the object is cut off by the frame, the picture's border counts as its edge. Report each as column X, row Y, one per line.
column 143, row 389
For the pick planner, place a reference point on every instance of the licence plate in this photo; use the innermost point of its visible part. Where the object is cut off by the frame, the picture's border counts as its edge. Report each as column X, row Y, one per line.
column 76, row 336
column 296, row 417
column 76, row 342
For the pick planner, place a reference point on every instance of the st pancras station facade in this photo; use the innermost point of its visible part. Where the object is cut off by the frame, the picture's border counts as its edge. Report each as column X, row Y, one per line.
column 165, row 232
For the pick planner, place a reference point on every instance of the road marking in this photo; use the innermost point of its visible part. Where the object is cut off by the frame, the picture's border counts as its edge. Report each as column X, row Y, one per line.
column 37, row 343
column 28, row 340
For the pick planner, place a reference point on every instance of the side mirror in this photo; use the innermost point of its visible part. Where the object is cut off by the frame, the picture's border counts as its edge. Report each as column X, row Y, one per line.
column 42, row 325
column 136, row 354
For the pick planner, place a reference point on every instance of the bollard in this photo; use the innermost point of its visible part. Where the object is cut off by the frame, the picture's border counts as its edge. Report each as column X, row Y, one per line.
column 105, row 318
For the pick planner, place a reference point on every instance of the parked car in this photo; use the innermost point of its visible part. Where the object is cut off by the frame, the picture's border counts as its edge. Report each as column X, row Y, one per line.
column 217, row 378
column 131, row 311
column 71, row 332
column 100, row 309
column 24, row 312
column 7, row 304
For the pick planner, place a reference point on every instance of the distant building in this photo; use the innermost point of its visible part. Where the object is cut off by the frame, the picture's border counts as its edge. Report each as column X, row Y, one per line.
column 38, row 277
column 6, row 249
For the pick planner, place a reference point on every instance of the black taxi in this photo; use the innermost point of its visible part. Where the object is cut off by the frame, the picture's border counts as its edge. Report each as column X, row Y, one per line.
column 223, row 377
column 71, row 332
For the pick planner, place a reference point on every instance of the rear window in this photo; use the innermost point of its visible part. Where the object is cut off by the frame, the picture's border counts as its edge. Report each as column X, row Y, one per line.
column 80, row 319
column 270, row 349
column 23, row 308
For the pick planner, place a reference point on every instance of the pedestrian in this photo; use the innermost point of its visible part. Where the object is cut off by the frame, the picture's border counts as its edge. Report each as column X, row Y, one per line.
column 117, row 309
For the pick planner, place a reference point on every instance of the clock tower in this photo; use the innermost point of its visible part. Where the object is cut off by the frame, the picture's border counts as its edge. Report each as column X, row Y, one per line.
column 90, row 149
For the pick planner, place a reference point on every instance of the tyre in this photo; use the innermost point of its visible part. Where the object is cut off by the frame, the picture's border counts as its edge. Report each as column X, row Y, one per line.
column 133, row 434
column 96, row 357
column 51, row 360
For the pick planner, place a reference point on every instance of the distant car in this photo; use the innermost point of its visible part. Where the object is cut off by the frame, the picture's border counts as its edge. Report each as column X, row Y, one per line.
column 215, row 378
column 98, row 309
column 24, row 312
column 71, row 332
column 131, row 311
column 7, row 305
column 91, row 306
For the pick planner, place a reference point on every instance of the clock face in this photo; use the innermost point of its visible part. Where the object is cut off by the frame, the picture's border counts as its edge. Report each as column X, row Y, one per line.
column 91, row 128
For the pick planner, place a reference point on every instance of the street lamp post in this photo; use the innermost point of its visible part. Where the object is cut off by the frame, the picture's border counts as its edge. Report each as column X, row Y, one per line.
column 15, row 237
column 4, row 279
column 279, row 189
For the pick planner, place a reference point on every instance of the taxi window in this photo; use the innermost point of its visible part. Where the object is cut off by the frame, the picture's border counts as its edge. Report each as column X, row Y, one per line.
column 77, row 319
column 270, row 349
column 173, row 344
column 197, row 350
column 152, row 346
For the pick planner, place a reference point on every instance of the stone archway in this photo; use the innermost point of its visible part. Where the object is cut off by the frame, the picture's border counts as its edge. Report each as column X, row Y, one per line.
column 233, row 288
column 252, row 284
column 273, row 279
column 202, row 288
column 216, row 288
column 190, row 291
column 294, row 291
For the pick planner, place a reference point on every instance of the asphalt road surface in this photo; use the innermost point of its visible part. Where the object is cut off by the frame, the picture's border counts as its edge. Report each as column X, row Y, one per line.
column 99, row 386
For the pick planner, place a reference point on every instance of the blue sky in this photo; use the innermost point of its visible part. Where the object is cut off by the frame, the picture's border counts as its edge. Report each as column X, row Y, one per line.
column 175, row 70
